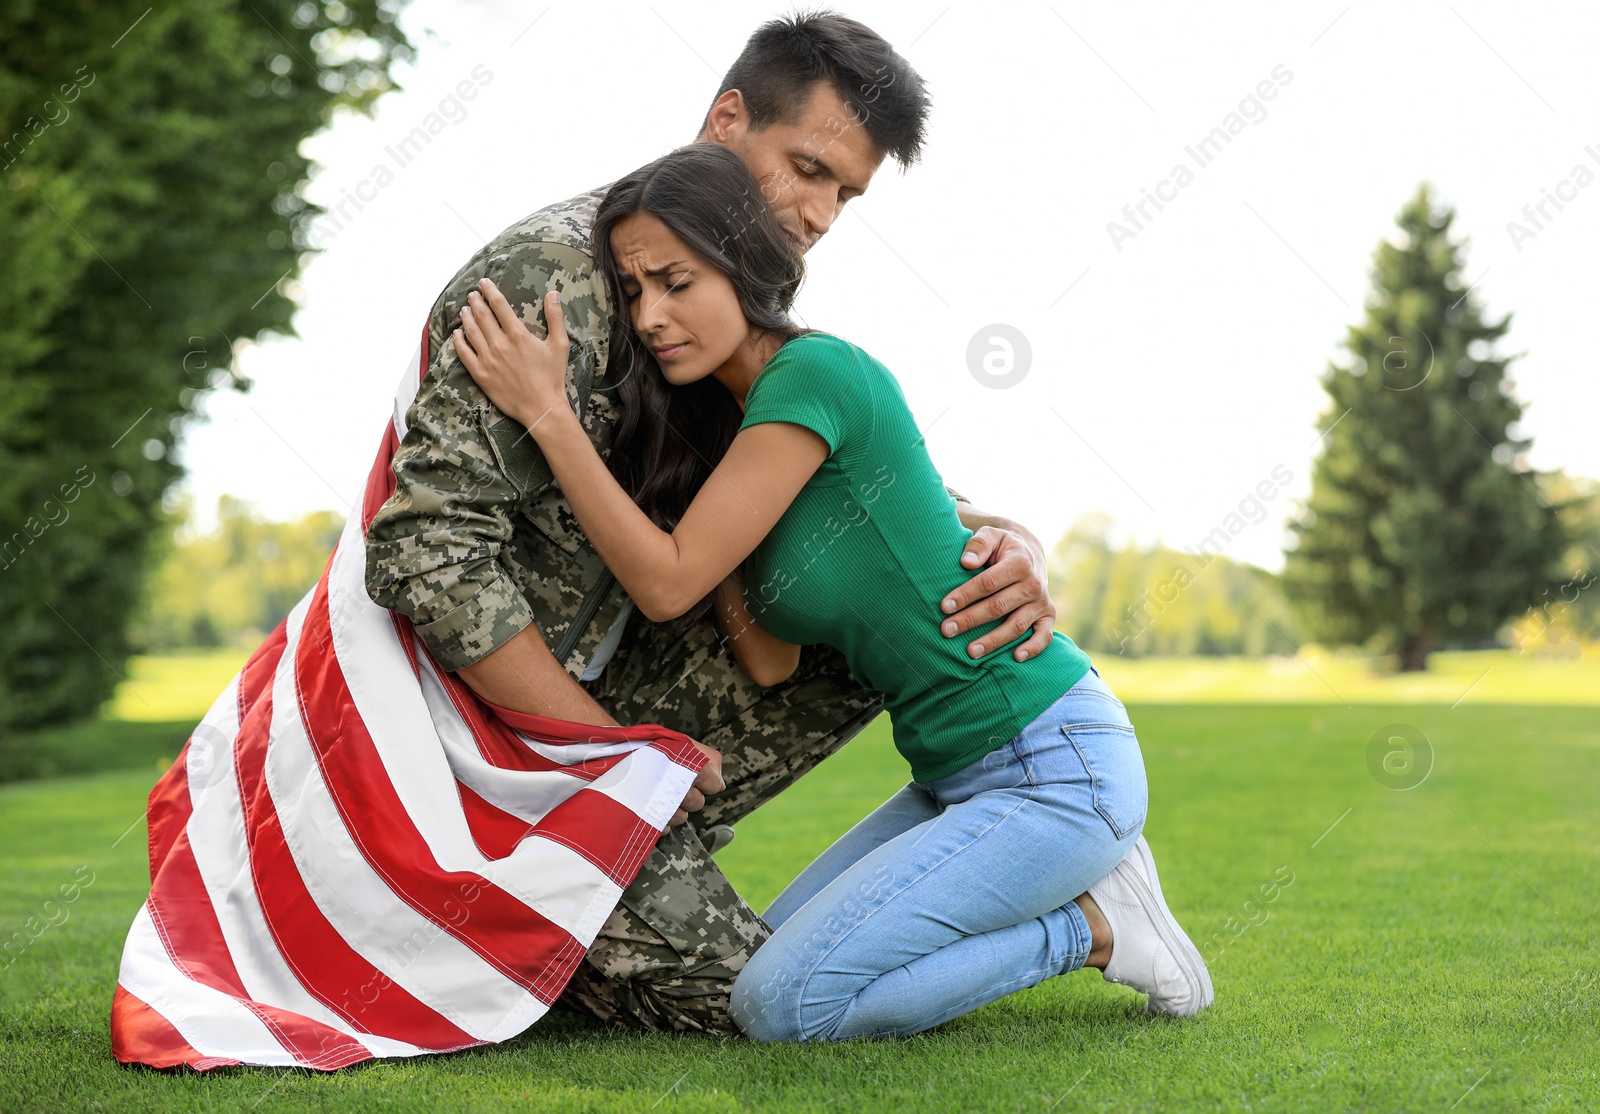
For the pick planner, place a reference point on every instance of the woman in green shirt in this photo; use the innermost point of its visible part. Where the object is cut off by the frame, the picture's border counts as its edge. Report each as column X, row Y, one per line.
column 1015, row 852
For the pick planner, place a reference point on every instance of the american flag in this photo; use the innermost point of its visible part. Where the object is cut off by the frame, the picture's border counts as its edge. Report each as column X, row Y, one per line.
column 355, row 857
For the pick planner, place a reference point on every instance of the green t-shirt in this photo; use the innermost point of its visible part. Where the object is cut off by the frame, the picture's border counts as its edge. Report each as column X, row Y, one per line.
column 867, row 551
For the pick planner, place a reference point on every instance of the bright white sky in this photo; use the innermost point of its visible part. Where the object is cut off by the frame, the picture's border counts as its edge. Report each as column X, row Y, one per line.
column 1167, row 379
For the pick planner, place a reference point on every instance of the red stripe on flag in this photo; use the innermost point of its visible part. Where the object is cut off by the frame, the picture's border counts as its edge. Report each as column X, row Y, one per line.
column 169, row 807
column 674, row 744
column 499, row 744
column 496, row 831
column 184, row 919
column 167, row 810
column 256, row 676
column 403, row 631
column 330, row 969
column 525, row 946
column 614, row 839
column 140, row 1035
column 181, row 910
column 380, row 481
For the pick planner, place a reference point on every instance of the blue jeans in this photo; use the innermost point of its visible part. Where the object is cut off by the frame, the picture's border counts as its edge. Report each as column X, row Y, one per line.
column 954, row 893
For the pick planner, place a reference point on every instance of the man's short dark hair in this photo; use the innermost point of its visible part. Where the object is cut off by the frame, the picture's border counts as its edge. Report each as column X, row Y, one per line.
column 785, row 57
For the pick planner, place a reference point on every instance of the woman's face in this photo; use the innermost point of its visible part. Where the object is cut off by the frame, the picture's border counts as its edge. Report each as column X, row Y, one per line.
column 684, row 309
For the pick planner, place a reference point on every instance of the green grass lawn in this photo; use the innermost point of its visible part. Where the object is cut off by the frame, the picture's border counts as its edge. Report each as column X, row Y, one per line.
column 1436, row 948
column 173, row 687
column 1315, row 676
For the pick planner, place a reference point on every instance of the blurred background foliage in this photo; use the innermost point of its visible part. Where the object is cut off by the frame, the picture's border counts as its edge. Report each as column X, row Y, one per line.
column 149, row 208
column 1142, row 601
column 232, row 586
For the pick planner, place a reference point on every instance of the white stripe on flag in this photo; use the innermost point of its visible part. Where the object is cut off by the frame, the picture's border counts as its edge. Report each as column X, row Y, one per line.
column 649, row 783
column 406, row 392
column 214, row 1023
column 217, row 838
column 529, row 796
column 410, row 949
column 547, row 876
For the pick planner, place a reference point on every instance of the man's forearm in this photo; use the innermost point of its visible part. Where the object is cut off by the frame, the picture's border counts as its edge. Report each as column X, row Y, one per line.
column 524, row 676
column 974, row 519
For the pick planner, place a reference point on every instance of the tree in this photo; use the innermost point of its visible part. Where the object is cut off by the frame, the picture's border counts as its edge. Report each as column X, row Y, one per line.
column 1566, row 618
column 149, row 216
column 231, row 587
column 1424, row 526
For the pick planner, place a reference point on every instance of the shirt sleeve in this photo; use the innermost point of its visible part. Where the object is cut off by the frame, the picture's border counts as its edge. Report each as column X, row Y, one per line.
column 809, row 382
column 463, row 468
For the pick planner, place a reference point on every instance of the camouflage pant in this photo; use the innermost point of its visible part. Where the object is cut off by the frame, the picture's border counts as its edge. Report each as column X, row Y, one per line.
column 667, row 957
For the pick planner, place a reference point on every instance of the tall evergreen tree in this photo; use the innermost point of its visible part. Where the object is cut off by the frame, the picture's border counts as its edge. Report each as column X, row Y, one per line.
column 1424, row 527
column 149, row 215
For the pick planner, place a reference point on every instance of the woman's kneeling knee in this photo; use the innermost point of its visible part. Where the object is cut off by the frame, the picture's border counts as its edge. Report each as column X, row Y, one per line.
column 765, row 1002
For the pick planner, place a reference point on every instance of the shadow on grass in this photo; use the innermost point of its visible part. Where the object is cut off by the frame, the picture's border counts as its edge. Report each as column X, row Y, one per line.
column 92, row 747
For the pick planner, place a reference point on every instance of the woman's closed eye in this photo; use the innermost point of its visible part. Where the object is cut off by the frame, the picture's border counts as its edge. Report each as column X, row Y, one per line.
column 673, row 288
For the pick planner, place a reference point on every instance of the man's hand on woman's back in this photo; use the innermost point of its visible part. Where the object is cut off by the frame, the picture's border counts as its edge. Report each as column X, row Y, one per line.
column 1011, row 581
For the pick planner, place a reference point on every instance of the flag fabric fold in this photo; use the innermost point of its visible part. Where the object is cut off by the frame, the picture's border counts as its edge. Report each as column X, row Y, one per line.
column 354, row 856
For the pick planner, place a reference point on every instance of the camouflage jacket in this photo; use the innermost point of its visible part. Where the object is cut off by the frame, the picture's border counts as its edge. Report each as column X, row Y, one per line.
column 477, row 540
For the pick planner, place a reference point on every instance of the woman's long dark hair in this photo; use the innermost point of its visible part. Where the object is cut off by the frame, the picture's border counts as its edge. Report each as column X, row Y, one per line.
column 670, row 438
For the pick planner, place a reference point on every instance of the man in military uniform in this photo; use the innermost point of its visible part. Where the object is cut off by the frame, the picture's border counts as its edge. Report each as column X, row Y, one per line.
column 480, row 550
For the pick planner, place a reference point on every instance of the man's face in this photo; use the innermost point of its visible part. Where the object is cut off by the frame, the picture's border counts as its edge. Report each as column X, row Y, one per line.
column 807, row 169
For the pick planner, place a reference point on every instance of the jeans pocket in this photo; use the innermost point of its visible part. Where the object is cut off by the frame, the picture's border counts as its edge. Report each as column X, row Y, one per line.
column 1111, row 758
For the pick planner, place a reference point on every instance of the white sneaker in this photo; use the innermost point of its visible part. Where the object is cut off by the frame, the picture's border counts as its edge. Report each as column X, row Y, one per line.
column 1150, row 951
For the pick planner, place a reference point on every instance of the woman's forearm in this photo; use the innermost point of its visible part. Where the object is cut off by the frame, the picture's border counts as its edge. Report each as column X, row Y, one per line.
column 766, row 659
column 643, row 557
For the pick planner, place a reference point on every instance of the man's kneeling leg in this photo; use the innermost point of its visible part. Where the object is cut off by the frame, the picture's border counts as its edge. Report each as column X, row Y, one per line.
column 666, row 958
